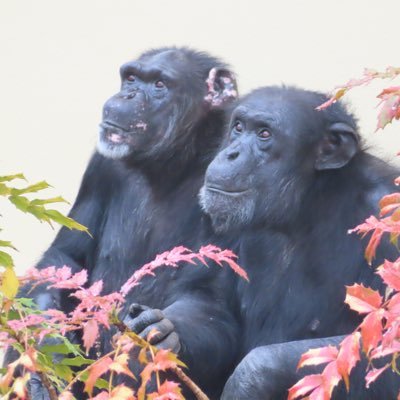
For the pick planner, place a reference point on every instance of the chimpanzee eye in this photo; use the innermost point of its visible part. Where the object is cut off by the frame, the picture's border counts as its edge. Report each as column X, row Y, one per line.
column 264, row 134
column 160, row 84
column 238, row 126
column 131, row 78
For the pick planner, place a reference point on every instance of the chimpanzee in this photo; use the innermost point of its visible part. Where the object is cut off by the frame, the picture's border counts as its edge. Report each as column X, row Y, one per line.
column 138, row 198
column 293, row 180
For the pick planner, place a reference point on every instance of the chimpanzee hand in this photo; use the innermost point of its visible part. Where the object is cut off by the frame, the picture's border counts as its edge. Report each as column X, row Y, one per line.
column 143, row 319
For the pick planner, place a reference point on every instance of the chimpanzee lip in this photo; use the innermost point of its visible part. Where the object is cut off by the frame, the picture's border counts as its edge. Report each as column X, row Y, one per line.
column 226, row 191
column 108, row 125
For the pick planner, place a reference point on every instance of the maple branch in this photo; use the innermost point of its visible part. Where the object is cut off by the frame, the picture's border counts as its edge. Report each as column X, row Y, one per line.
column 200, row 395
column 47, row 384
column 123, row 328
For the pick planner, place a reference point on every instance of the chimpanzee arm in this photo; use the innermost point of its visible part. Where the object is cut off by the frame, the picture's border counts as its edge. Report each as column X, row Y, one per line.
column 201, row 330
column 208, row 336
column 74, row 248
column 267, row 372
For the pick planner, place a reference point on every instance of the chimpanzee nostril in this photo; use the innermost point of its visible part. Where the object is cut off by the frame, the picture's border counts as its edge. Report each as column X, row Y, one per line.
column 130, row 95
column 233, row 155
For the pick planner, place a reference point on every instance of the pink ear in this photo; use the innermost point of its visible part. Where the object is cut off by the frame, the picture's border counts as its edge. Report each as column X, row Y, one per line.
column 221, row 86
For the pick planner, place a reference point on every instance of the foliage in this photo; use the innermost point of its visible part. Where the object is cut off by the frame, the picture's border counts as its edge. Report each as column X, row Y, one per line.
column 378, row 335
column 40, row 337
column 28, row 331
column 37, row 208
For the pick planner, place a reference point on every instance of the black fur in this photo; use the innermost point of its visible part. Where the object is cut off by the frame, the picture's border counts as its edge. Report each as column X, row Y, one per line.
column 294, row 180
column 139, row 198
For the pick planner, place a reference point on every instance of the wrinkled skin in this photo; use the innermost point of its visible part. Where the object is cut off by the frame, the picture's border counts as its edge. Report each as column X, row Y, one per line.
column 138, row 198
column 290, row 182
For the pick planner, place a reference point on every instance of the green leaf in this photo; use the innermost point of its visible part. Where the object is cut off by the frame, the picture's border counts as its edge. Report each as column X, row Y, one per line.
column 76, row 361
column 22, row 203
column 13, row 314
column 6, row 244
column 100, row 382
column 6, row 260
column 18, row 347
column 39, row 213
column 9, row 178
column 63, row 372
column 4, row 190
column 61, row 348
column 58, row 199
column 73, row 348
column 36, row 187
column 28, row 303
column 45, row 360
column 66, row 221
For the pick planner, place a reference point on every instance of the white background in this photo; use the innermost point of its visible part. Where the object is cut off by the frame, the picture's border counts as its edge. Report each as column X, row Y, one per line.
column 60, row 60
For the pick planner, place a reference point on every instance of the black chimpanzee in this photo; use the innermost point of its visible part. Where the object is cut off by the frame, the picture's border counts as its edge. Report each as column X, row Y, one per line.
column 294, row 180
column 138, row 198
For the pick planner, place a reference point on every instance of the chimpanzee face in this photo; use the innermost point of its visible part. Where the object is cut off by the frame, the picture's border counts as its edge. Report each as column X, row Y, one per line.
column 163, row 94
column 278, row 145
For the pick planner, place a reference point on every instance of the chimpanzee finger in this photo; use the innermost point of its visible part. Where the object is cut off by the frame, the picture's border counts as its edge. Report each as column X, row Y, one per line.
column 171, row 342
column 136, row 309
column 144, row 319
column 162, row 328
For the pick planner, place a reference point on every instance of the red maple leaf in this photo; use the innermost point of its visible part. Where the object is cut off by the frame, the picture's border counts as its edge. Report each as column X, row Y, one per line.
column 362, row 299
column 371, row 331
column 90, row 333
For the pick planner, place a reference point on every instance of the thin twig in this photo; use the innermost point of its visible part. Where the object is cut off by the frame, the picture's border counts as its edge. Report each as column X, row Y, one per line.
column 200, row 395
column 47, row 384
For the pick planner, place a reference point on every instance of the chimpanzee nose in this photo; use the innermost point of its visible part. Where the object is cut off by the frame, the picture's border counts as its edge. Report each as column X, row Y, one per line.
column 232, row 155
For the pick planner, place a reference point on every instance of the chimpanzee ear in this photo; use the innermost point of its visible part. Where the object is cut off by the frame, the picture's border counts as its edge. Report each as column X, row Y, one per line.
column 337, row 147
column 221, row 87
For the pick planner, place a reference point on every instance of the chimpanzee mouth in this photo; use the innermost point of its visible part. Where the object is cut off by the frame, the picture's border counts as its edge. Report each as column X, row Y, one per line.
column 117, row 134
column 114, row 133
column 227, row 192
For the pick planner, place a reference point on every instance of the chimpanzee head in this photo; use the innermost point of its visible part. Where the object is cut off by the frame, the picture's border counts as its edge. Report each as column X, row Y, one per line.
column 279, row 148
column 165, row 95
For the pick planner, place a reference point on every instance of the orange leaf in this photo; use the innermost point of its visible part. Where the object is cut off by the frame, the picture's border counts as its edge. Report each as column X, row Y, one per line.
column 390, row 273
column 19, row 387
column 163, row 360
column 373, row 243
column 120, row 365
column 90, row 334
column 390, row 200
column 318, row 356
column 371, row 331
column 305, row 386
column 331, row 378
column 66, row 396
column 362, row 299
column 121, row 392
column 95, row 371
column 390, row 110
column 374, row 373
column 349, row 355
column 168, row 390
column 143, row 358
